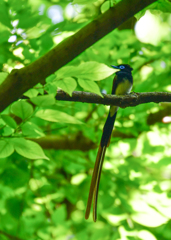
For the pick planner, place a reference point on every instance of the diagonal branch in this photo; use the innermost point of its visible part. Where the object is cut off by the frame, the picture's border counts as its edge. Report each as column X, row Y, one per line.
column 129, row 100
column 19, row 81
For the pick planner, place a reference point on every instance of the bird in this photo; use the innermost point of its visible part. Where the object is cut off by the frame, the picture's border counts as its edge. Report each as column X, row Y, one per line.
column 122, row 84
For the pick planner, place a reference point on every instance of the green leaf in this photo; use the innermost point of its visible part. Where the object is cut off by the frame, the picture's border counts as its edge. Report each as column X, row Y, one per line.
column 7, row 131
column 45, row 100
column 22, row 109
column 9, row 120
column 6, row 148
column 87, row 70
column 3, row 75
column 56, row 116
column 105, row 6
column 90, row 86
column 28, row 149
column 30, row 129
column 50, row 78
column 67, row 84
column 31, row 93
column 51, row 88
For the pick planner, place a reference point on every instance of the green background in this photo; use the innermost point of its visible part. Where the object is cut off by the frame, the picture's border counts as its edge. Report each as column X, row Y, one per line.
column 48, row 148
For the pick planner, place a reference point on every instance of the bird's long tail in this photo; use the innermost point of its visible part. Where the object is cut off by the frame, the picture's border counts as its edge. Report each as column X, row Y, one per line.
column 95, row 183
column 105, row 140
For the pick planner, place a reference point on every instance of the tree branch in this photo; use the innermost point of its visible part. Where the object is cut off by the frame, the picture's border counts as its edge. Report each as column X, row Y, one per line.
column 19, row 81
column 78, row 142
column 129, row 100
column 69, row 142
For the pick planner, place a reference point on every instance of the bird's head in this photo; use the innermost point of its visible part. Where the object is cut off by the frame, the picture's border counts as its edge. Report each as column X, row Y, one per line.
column 123, row 67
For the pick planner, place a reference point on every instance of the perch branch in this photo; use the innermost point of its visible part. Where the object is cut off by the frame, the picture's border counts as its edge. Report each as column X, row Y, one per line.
column 129, row 100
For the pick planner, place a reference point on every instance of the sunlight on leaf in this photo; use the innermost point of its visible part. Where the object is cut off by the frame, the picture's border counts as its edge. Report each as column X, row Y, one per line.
column 87, row 70
column 146, row 215
column 78, row 178
column 144, row 235
column 114, row 219
column 56, row 116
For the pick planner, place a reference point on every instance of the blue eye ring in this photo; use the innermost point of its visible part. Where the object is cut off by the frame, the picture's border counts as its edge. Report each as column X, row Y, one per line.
column 122, row 67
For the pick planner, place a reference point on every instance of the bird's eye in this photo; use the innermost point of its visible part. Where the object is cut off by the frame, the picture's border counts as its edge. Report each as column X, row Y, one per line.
column 122, row 67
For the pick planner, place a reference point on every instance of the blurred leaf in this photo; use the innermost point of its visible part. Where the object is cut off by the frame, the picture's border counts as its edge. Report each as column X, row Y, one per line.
column 150, row 219
column 162, row 5
column 9, row 178
column 23, row 19
column 34, row 32
column 14, row 207
column 146, row 215
column 4, row 14
column 59, row 215
column 144, row 234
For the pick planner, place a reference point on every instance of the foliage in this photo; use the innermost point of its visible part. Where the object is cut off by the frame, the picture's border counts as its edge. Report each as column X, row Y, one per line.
column 45, row 174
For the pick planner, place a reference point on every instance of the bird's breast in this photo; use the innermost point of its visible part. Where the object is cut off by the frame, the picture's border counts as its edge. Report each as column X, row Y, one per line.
column 122, row 88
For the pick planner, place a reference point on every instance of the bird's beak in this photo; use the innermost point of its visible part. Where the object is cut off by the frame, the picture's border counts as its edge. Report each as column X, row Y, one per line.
column 115, row 67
